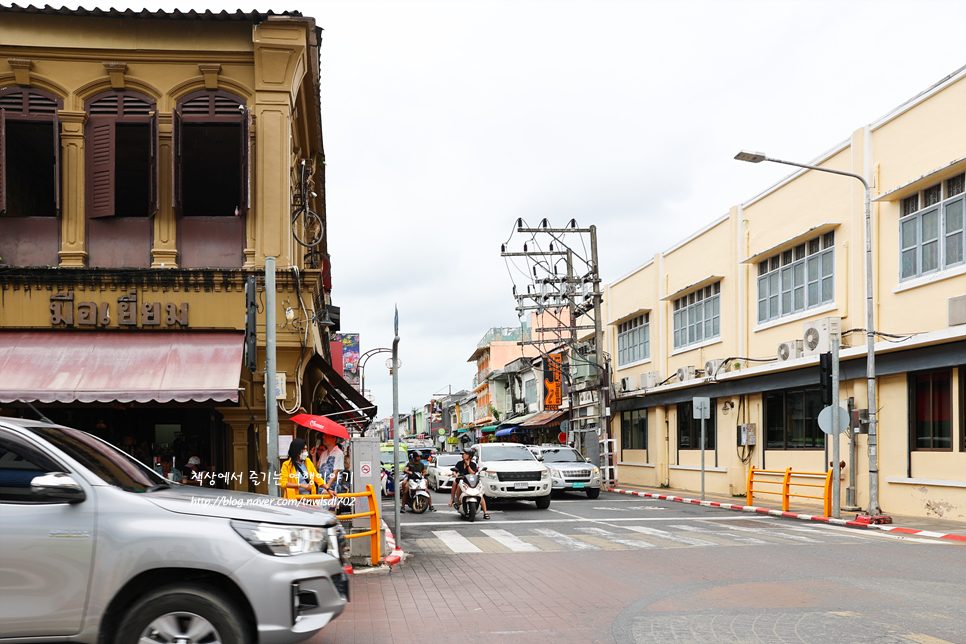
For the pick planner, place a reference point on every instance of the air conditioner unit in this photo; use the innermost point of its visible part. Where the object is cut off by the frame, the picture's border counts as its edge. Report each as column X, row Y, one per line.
column 789, row 350
column 650, row 379
column 686, row 373
column 817, row 335
column 519, row 408
column 714, row 367
column 628, row 383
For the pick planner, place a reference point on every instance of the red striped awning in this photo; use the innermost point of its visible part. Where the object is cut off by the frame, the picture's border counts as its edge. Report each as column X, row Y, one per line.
column 108, row 366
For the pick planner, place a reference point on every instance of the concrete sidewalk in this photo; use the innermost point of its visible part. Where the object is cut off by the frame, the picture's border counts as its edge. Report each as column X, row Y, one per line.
column 933, row 526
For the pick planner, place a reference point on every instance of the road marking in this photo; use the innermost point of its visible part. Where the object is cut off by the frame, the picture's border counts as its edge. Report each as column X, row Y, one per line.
column 610, row 536
column 430, row 522
column 737, row 537
column 878, row 535
column 774, row 533
column 455, row 541
column 564, row 540
column 511, row 541
column 670, row 536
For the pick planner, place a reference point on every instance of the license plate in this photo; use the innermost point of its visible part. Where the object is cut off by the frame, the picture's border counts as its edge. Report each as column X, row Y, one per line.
column 577, row 485
column 520, row 485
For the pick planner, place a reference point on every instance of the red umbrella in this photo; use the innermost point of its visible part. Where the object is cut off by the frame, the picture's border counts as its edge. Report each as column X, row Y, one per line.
column 322, row 424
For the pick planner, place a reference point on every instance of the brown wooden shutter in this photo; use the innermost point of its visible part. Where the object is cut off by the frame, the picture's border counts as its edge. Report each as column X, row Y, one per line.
column 102, row 167
column 245, row 154
column 154, row 172
column 3, row 160
column 57, row 164
column 177, row 186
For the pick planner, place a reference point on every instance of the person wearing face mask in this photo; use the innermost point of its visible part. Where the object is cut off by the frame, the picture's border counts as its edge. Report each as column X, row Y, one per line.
column 299, row 476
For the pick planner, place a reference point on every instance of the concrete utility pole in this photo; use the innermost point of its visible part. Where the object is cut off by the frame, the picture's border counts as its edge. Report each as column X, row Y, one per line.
column 602, row 385
column 271, row 407
column 395, row 429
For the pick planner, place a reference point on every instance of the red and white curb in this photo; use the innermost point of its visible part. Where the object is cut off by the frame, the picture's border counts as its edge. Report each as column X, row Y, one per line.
column 397, row 553
column 789, row 515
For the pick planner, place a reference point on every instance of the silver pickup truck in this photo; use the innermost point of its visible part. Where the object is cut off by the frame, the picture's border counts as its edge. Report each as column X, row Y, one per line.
column 97, row 548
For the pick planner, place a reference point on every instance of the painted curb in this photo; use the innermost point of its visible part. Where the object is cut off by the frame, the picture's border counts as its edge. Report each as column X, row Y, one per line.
column 397, row 553
column 789, row 515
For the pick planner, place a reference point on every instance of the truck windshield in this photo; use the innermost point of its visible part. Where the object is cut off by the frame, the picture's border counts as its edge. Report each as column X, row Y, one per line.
column 106, row 461
column 562, row 455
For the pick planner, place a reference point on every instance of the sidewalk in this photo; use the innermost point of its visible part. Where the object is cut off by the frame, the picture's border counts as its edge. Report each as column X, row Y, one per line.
column 924, row 526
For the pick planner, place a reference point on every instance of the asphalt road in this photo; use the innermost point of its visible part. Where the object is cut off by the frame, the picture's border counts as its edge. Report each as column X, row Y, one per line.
column 622, row 569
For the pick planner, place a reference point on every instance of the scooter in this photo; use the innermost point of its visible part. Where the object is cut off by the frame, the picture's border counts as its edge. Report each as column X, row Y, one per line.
column 418, row 493
column 387, row 482
column 470, row 492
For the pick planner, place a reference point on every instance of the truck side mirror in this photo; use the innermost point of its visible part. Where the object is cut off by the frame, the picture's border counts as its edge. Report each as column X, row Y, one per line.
column 56, row 487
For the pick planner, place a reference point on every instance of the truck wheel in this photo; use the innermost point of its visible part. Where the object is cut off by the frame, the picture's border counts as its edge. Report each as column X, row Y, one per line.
column 593, row 492
column 183, row 614
column 543, row 502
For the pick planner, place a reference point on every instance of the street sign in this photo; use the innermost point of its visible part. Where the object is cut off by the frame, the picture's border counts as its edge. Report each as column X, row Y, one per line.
column 702, row 408
column 365, row 468
column 562, row 437
column 825, row 419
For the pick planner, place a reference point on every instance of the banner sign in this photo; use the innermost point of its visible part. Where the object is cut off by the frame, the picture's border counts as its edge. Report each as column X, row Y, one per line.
column 552, row 383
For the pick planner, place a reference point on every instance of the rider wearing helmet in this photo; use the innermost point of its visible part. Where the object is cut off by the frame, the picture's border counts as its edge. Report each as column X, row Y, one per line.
column 464, row 467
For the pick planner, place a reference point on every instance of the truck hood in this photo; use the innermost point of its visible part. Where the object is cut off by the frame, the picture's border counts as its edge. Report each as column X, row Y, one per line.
column 513, row 466
column 228, row 504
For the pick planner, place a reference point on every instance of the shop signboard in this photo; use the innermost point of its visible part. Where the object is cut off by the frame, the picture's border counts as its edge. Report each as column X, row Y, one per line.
column 552, row 383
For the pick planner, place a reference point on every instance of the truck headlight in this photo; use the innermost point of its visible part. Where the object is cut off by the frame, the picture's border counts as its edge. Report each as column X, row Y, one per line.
column 281, row 541
column 596, row 472
column 490, row 475
column 555, row 473
column 545, row 474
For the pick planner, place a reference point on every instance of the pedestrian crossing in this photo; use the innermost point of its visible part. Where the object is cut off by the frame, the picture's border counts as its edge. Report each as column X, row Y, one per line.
column 601, row 536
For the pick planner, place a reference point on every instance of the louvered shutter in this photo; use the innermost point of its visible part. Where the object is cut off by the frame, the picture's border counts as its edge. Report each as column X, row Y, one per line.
column 57, row 164
column 3, row 160
column 154, row 170
column 245, row 154
column 102, row 167
column 177, row 189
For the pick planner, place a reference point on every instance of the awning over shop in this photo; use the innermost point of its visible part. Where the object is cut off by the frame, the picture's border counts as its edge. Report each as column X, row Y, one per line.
column 544, row 418
column 518, row 420
column 489, row 429
column 506, row 431
column 347, row 392
column 108, row 366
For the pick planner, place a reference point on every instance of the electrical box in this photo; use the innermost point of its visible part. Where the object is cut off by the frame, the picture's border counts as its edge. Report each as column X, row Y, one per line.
column 365, row 469
column 859, row 421
column 746, row 434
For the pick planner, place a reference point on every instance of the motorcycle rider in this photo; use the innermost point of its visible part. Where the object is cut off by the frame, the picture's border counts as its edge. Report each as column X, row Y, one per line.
column 414, row 466
column 464, row 467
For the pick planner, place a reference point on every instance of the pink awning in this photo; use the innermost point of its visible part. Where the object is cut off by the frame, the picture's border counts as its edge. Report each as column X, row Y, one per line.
column 107, row 366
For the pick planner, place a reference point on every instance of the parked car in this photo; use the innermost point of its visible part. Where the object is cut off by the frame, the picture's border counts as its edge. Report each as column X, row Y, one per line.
column 569, row 470
column 513, row 472
column 97, row 547
column 439, row 474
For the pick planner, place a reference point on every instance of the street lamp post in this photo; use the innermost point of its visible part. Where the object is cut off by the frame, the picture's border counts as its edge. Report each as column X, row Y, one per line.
column 758, row 157
column 362, row 368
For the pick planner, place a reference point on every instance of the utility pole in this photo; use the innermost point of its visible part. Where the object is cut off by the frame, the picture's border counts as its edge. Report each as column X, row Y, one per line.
column 602, row 385
column 395, row 429
column 271, row 406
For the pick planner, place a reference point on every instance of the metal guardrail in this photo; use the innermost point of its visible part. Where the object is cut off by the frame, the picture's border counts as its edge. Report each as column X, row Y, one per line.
column 373, row 514
column 768, row 477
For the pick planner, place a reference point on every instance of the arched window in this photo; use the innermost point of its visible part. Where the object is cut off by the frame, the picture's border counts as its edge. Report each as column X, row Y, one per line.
column 122, row 178
column 211, row 178
column 29, row 176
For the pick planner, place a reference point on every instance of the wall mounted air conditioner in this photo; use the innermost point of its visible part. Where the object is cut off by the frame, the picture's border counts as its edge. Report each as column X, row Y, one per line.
column 629, row 383
column 790, row 350
column 686, row 373
column 714, row 367
column 817, row 335
column 650, row 379
column 519, row 408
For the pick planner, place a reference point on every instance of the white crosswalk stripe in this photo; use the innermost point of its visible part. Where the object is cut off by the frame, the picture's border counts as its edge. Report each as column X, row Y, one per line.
column 455, row 541
column 511, row 541
column 774, row 533
column 742, row 538
column 564, row 540
column 670, row 536
column 610, row 536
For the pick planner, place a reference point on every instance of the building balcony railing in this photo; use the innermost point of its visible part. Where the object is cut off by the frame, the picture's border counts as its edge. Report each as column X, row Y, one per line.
column 504, row 334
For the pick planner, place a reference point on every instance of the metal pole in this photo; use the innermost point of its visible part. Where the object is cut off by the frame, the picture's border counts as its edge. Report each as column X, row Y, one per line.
column 873, row 508
column 703, row 429
column 836, row 491
column 602, row 386
column 271, row 404
column 850, row 491
column 395, row 431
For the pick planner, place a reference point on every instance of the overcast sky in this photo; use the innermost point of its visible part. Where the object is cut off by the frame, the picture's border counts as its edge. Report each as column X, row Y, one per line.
column 446, row 121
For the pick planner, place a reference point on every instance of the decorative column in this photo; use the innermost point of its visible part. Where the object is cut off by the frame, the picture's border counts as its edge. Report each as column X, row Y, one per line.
column 73, row 251
column 164, row 253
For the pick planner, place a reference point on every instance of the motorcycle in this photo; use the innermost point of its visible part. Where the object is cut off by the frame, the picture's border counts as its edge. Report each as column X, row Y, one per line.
column 387, row 482
column 418, row 493
column 470, row 492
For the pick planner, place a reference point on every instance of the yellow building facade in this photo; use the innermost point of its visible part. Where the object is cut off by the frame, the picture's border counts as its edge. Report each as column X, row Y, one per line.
column 740, row 310
column 149, row 164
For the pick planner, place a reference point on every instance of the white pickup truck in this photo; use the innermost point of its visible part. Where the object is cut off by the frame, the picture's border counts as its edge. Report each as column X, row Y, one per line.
column 512, row 472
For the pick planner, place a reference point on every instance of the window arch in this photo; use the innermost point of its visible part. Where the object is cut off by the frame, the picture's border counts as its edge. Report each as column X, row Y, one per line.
column 29, row 176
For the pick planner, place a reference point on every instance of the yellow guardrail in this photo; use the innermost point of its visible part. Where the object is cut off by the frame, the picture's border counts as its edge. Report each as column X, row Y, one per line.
column 373, row 514
column 768, row 477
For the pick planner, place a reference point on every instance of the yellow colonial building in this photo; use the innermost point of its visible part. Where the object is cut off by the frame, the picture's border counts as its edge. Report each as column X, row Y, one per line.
column 150, row 162
column 740, row 311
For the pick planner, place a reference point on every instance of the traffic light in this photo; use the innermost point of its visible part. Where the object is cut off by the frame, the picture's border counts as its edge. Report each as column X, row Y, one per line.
column 251, row 330
column 825, row 377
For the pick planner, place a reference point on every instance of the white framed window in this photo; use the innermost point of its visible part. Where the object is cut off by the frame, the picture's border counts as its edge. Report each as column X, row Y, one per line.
column 530, row 389
column 697, row 316
column 634, row 340
column 931, row 229
column 797, row 279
